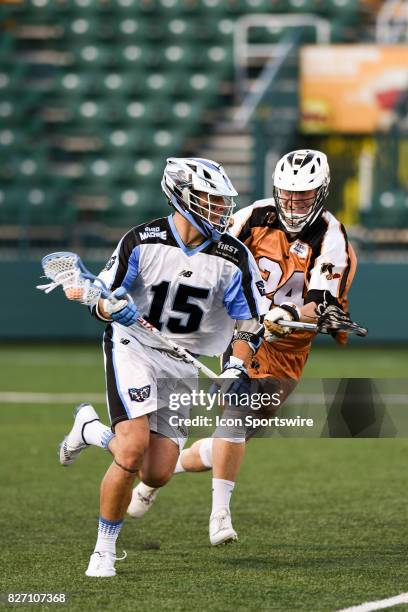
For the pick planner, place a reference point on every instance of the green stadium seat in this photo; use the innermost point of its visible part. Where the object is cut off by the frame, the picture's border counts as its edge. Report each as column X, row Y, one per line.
column 339, row 8
column 134, row 204
column 76, row 83
column 104, row 169
column 136, row 80
column 188, row 113
column 165, row 112
column 11, row 206
column 168, row 143
column 135, row 29
column 134, row 55
column 91, row 56
column 35, row 205
column 183, row 29
column 390, row 210
column 126, row 141
column 97, row 111
column 303, row 6
column 147, row 170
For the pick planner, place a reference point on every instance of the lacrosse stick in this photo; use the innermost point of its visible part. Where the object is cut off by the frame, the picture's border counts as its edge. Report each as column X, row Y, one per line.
column 344, row 326
column 67, row 269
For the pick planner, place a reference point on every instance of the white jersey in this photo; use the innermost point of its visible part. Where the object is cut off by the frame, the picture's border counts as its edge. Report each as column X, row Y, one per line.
column 193, row 295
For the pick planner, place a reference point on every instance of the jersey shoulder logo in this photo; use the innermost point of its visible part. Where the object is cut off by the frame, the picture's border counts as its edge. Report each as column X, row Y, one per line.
column 110, row 262
column 299, row 248
column 228, row 251
column 139, row 394
column 328, row 267
column 153, row 232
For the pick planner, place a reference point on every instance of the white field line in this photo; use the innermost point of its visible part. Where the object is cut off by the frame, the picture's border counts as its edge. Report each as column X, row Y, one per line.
column 381, row 604
column 16, row 397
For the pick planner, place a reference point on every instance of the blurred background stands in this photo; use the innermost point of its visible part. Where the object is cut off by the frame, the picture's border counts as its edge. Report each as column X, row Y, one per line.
column 95, row 94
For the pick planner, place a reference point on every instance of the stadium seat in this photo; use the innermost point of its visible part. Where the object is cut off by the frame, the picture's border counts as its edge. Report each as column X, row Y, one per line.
column 35, row 205
column 113, row 87
column 390, row 210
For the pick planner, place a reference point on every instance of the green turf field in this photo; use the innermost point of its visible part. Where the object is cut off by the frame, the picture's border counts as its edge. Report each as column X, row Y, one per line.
column 321, row 522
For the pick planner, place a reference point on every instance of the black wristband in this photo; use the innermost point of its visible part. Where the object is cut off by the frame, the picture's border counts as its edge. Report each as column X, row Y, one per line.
column 291, row 310
column 254, row 340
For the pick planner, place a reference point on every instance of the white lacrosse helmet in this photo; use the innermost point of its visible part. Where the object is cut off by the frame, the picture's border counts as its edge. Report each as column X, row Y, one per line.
column 183, row 177
column 297, row 171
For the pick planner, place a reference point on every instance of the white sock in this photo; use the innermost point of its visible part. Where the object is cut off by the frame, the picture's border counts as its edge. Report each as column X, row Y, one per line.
column 221, row 494
column 179, row 466
column 144, row 489
column 97, row 434
column 108, row 532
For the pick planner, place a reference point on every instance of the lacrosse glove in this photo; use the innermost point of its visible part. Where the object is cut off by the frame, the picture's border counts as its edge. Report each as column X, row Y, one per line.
column 287, row 311
column 332, row 319
column 123, row 310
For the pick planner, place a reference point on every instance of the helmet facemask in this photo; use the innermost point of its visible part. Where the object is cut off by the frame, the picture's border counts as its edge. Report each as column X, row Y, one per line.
column 297, row 211
column 216, row 210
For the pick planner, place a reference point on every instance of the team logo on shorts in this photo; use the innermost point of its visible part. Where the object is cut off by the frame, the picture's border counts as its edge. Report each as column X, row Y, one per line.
column 110, row 262
column 139, row 395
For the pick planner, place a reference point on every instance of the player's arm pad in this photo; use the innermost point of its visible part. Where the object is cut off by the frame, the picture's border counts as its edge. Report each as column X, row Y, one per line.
column 251, row 332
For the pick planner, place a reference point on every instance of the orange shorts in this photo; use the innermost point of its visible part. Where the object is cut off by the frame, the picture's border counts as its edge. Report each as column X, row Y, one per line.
column 276, row 362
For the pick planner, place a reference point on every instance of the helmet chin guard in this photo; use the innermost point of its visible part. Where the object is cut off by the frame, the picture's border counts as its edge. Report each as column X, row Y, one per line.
column 300, row 188
column 200, row 190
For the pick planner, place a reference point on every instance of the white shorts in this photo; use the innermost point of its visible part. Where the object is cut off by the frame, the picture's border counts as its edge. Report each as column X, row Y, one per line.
column 139, row 380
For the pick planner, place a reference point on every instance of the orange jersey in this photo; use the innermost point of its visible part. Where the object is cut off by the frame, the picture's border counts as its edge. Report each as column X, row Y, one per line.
column 292, row 268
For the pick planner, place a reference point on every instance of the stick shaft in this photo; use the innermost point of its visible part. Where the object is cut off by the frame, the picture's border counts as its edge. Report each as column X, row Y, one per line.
column 182, row 352
column 298, row 325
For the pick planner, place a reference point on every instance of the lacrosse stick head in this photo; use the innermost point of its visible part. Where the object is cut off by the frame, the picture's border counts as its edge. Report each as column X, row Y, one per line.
column 67, row 269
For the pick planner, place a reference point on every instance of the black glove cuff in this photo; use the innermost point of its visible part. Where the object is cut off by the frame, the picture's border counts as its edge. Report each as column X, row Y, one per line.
column 321, row 296
column 291, row 310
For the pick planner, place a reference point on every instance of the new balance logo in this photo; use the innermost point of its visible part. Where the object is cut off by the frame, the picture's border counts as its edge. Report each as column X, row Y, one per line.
column 153, row 232
column 186, row 273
